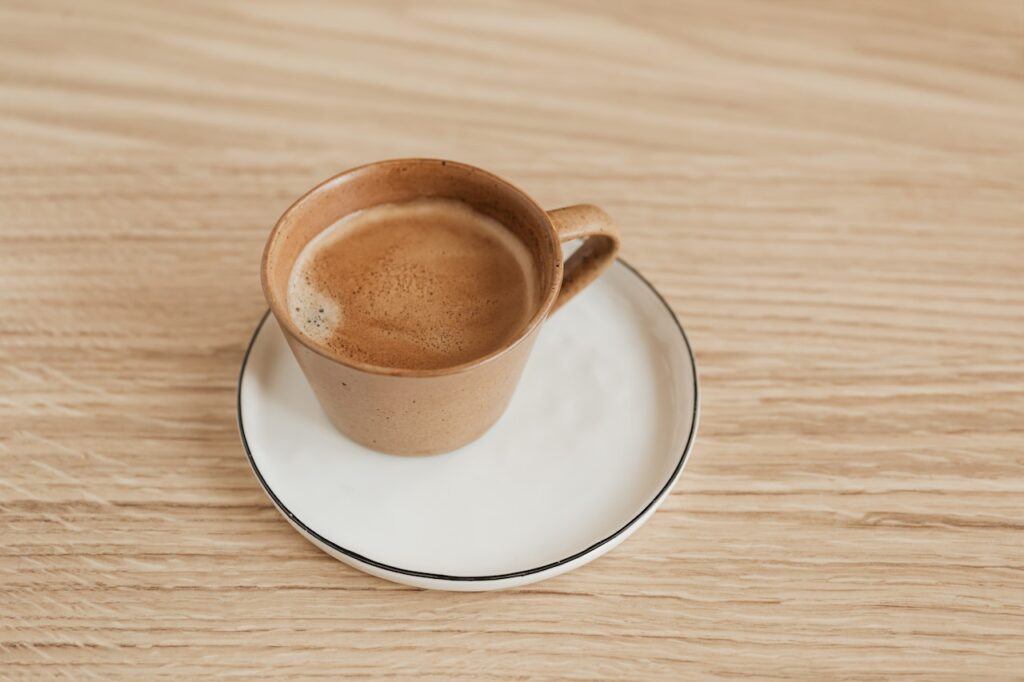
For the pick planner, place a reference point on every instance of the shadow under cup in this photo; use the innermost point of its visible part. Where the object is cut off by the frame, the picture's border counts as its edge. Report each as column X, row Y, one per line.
column 404, row 411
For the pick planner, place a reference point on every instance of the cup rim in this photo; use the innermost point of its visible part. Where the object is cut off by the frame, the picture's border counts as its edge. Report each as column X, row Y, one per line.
column 280, row 309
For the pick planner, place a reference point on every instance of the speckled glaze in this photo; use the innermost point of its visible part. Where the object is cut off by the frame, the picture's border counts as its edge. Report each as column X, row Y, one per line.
column 430, row 411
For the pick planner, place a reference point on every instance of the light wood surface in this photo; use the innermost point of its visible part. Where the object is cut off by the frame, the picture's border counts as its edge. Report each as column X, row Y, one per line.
column 830, row 194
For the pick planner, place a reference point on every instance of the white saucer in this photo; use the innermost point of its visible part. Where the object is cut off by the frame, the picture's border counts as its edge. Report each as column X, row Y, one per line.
column 596, row 435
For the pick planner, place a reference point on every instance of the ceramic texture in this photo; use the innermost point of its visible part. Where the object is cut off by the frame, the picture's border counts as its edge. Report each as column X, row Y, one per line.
column 414, row 412
column 593, row 440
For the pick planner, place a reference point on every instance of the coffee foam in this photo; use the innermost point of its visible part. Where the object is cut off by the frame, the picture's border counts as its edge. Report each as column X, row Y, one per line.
column 424, row 284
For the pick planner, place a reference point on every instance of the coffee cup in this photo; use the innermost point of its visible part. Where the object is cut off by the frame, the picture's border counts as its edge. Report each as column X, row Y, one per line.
column 401, row 407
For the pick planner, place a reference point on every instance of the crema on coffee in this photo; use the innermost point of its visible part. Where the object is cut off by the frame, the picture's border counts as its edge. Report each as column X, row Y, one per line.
column 425, row 284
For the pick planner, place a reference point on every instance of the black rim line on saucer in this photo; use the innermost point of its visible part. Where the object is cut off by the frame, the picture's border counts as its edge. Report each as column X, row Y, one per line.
column 501, row 576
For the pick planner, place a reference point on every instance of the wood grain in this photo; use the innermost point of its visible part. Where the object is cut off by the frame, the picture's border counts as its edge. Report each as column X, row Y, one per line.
column 830, row 194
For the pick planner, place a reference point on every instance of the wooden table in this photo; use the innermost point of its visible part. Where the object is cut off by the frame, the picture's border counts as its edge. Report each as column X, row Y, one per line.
column 830, row 194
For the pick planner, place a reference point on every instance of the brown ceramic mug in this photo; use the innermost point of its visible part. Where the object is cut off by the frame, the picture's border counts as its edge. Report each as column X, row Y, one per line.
column 404, row 411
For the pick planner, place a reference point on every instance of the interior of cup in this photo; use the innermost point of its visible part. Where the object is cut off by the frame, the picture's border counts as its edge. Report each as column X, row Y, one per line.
column 403, row 180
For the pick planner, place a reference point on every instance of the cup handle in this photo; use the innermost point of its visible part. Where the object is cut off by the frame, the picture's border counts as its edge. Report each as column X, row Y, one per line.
column 595, row 254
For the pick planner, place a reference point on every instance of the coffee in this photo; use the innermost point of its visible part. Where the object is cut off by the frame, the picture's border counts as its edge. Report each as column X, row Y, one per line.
column 425, row 284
